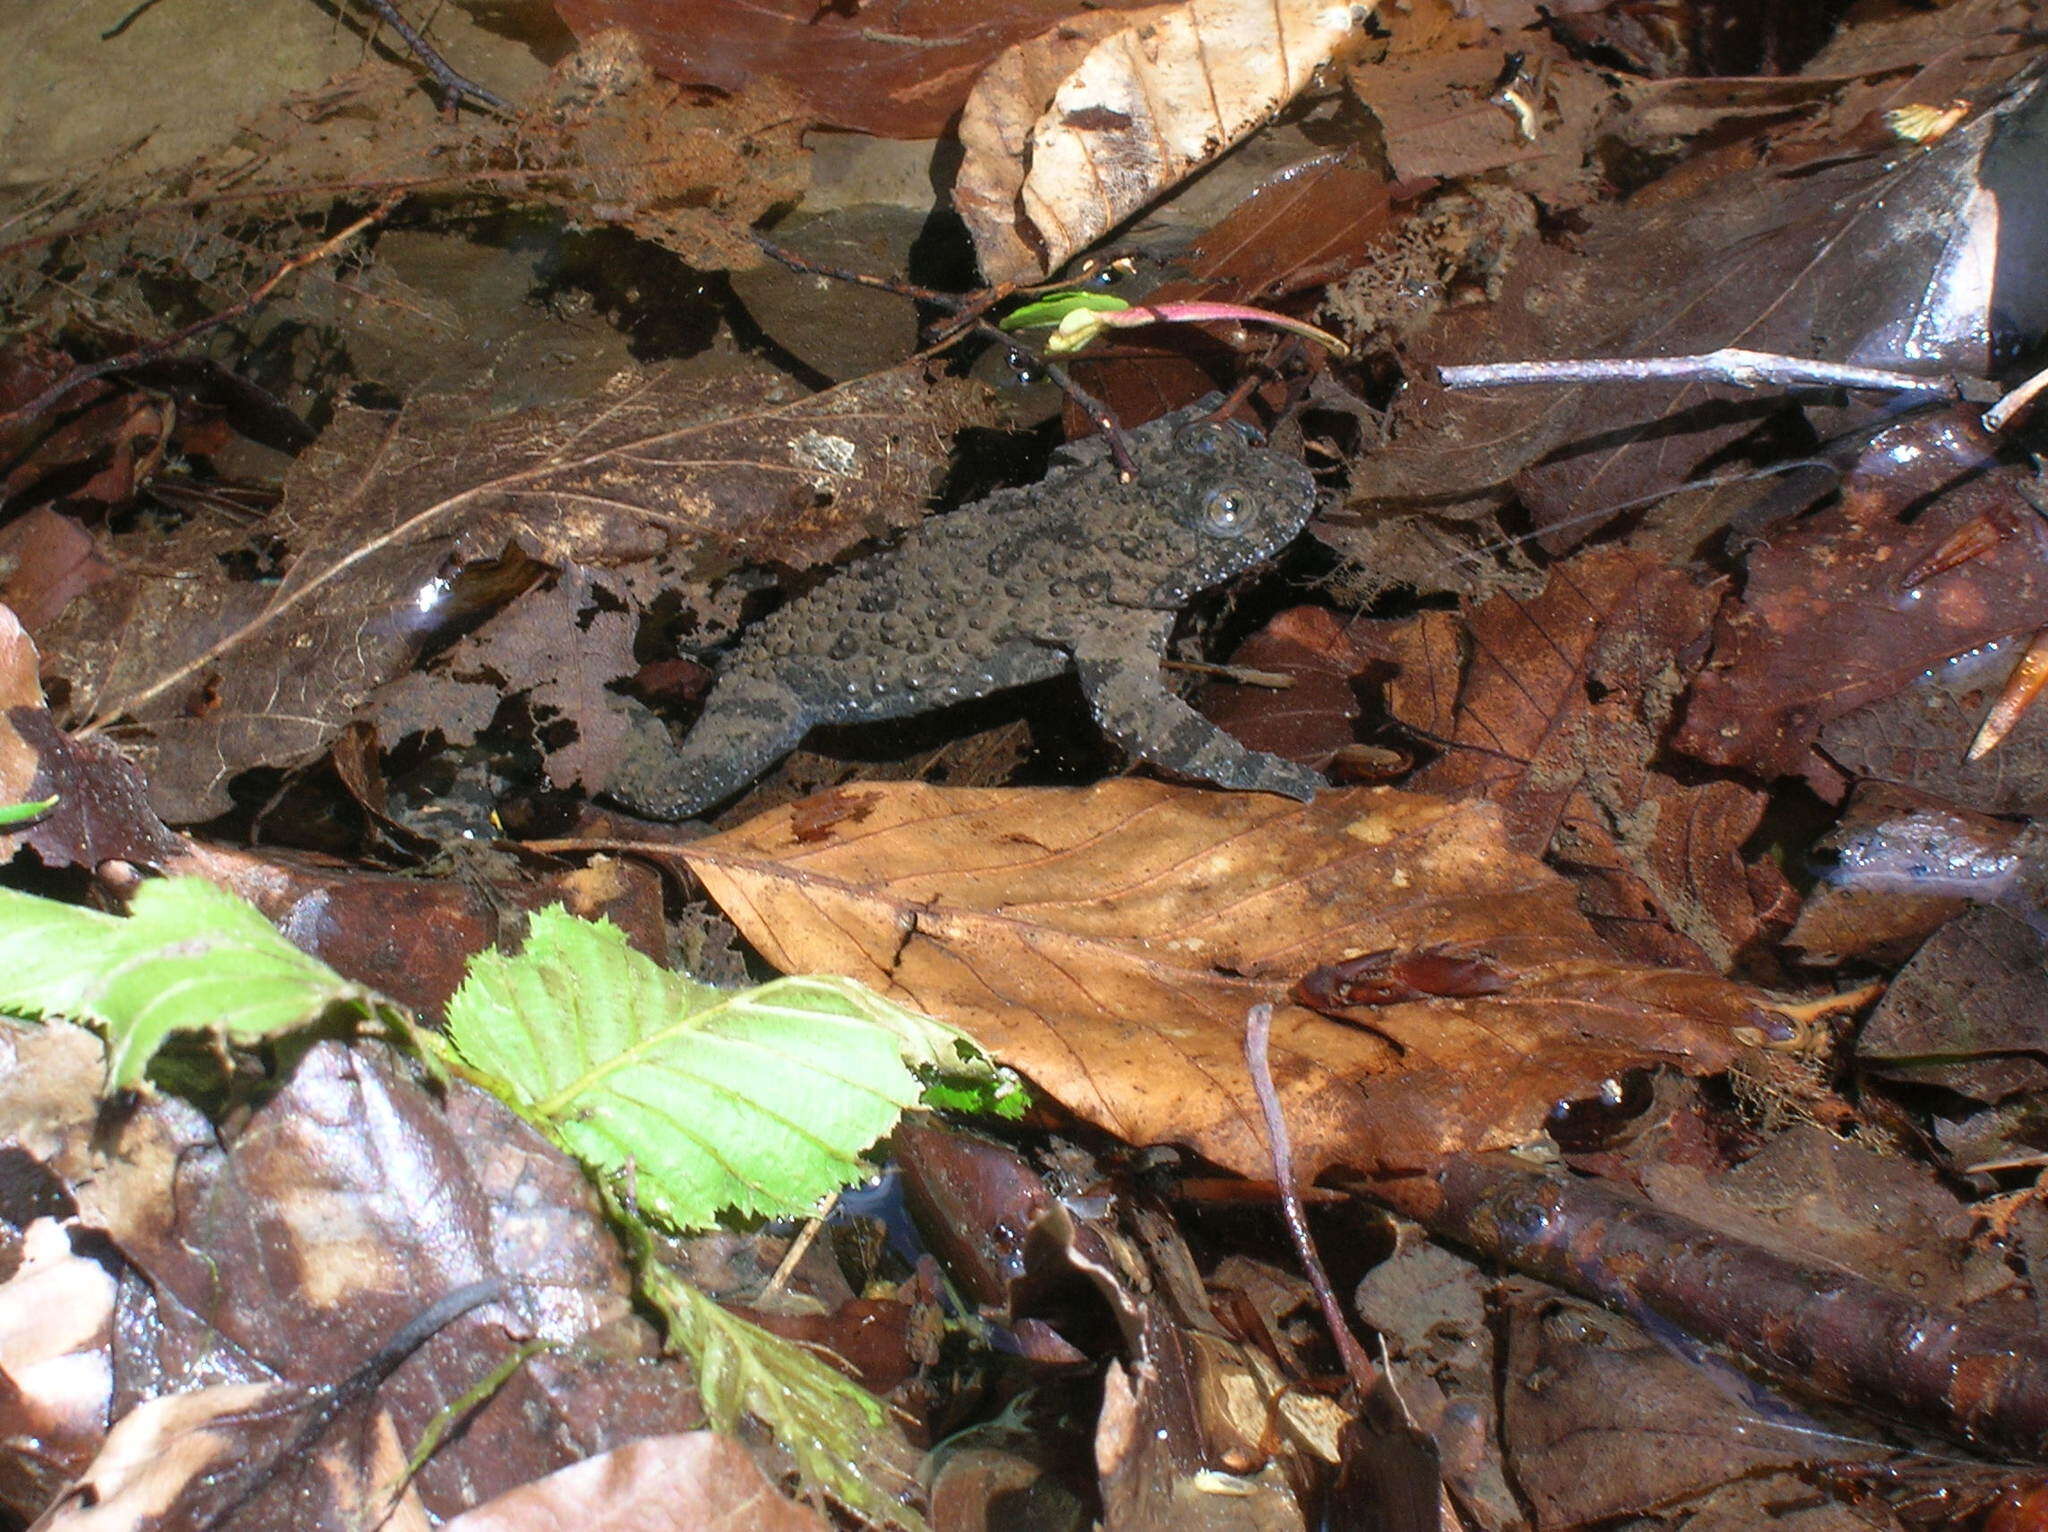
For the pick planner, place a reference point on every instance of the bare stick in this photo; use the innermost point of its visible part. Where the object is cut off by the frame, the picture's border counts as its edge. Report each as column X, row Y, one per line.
column 78, row 377
column 454, row 87
column 1258, row 1032
column 1744, row 369
column 1999, row 413
column 969, row 311
column 1821, row 1330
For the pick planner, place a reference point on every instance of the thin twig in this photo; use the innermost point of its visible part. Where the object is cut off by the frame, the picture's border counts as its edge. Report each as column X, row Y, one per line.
column 1996, row 417
column 79, row 376
column 126, row 21
column 454, row 87
column 327, row 1403
column 1744, row 369
column 799, row 1247
column 1258, row 1032
column 969, row 311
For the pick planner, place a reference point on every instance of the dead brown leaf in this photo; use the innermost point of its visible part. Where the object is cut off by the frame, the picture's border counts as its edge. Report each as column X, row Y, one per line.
column 697, row 1481
column 183, row 1459
column 1039, row 921
column 1564, row 706
column 353, row 1199
column 224, row 647
column 1602, row 1420
column 1048, row 172
column 1830, row 620
column 903, row 75
column 1919, row 736
column 102, row 811
column 1854, row 257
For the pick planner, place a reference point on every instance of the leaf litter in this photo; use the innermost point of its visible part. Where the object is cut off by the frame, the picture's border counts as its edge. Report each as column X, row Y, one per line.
column 1668, row 692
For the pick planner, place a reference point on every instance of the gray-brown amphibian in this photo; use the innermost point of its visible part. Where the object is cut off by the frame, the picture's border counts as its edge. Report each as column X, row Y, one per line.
column 1080, row 570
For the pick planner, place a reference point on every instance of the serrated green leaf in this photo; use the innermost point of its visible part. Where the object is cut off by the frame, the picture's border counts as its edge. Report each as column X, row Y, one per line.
column 759, row 1100
column 835, row 1430
column 189, row 957
column 1054, row 307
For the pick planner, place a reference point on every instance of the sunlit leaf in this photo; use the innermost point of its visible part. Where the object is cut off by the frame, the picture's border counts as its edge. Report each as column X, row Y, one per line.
column 189, row 957
column 760, row 1100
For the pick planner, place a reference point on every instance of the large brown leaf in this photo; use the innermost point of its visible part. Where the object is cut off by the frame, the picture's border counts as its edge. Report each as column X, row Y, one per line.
column 1108, row 942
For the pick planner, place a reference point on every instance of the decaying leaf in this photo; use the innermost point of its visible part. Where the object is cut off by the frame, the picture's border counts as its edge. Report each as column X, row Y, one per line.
column 1145, row 103
column 1563, row 708
column 197, row 1458
column 102, row 809
column 699, row 1482
column 1107, row 942
column 1831, row 617
column 224, row 647
column 899, row 73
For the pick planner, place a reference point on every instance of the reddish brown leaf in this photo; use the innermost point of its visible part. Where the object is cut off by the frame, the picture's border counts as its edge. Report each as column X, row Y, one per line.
column 1824, row 627
column 899, row 74
column 1310, row 720
column 1563, row 708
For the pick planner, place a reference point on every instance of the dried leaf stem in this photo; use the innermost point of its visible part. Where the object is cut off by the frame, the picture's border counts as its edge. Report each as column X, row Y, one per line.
column 1258, row 1035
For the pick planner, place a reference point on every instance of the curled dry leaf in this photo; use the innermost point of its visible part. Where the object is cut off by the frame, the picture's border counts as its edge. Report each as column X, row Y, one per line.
column 1033, row 920
column 1070, row 133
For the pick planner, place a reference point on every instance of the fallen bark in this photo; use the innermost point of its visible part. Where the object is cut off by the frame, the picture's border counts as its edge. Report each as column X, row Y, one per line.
column 1817, row 1330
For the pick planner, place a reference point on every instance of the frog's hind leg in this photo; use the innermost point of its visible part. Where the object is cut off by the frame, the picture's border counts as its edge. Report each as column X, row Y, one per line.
column 750, row 724
column 1135, row 709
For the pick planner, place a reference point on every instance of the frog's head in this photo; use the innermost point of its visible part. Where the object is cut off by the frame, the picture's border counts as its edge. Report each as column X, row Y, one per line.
column 1218, row 503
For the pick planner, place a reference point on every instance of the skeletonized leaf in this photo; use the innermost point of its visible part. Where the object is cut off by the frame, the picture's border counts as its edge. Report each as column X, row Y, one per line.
column 761, row 1100
column 1149, row 102
column 189, row 958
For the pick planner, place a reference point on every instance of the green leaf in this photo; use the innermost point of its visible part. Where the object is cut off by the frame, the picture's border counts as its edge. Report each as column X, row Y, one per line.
column 22, row 813
column 189, row 957
column 697, row 1099
column 1054, row 307
column 835, row 1430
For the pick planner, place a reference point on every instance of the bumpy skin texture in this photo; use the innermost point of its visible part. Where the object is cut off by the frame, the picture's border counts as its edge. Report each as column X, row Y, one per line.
column 1079, row 570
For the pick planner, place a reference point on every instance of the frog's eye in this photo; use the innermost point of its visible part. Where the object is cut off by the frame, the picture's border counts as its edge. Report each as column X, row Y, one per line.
column 1225, row 512
column 1203, row 439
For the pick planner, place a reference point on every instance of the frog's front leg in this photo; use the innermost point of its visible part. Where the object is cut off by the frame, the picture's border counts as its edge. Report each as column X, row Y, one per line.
column 749, row 723
column 1119, row 670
